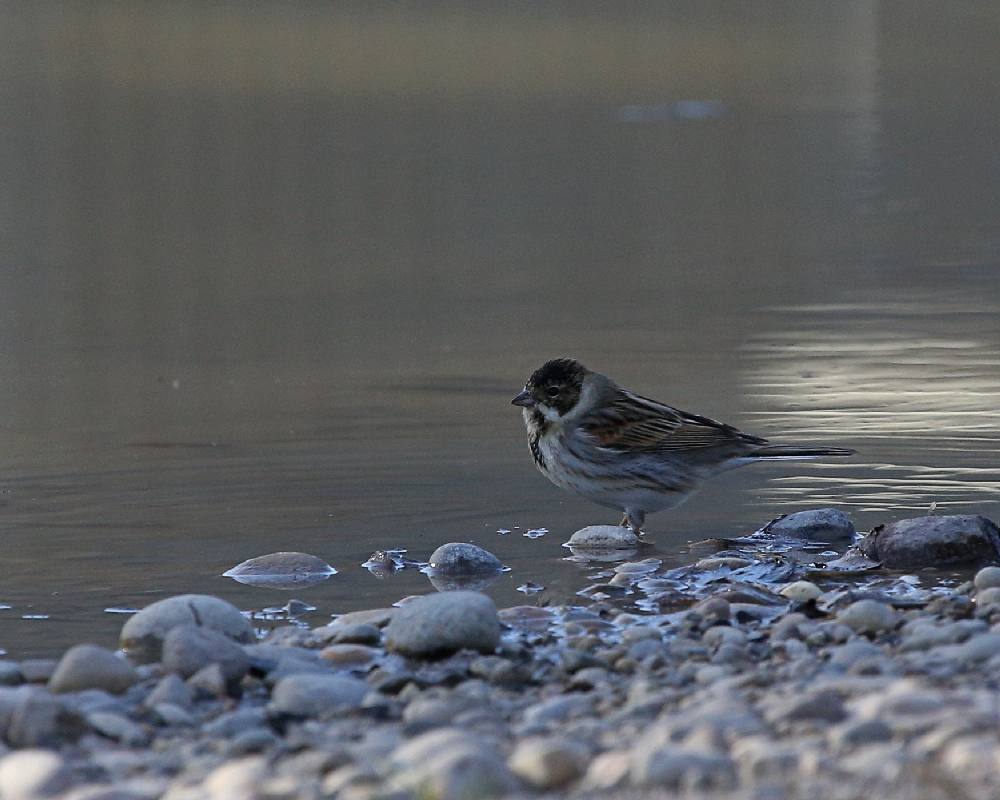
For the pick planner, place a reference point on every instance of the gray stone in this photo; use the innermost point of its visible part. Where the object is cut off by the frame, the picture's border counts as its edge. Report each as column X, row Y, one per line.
column 239, row 779
column 987, row 578
column 317, row 695
column 765, row 761
column 210, row 679
column 451, row 765
column 462, row 558
column 609, row 537
column 171, row 689
column 819, row 525
column 41, row 720
column 32, row 774
column 119, row 728
column 10, row 674
column 349, row 656
column 437, row 625
column 87, row 666
column 350, row 633
column 286, row 570
column 142, row 635
column 869, row 616
column 852, row 653
column 171, row 714
column 426, row 713
column 236, row 722
column 676, row 769
column 948, row 541
column 255, row 740
column 557, row 709
column 38, row 670
column 548, row 764
column 821, row 706
column 190, row 648
column 857, row 733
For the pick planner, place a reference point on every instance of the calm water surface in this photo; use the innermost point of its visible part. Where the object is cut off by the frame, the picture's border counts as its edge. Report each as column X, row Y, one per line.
column 271, row 273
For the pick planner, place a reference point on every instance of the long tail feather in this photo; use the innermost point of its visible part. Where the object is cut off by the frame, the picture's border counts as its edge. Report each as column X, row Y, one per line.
column 794, row 451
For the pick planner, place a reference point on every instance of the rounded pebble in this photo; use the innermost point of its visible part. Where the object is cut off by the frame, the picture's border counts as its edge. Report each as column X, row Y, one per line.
column 143, row 633
column 31, row 774
column 87, row 666
column 801, row 591
column 440, row 624
column 548, row 764
column 987, row 578
column 309, row 695
column 869, row 616
column 609, row 537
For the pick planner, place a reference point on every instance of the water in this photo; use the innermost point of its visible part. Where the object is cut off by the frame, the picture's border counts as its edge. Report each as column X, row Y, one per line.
column 270, row 274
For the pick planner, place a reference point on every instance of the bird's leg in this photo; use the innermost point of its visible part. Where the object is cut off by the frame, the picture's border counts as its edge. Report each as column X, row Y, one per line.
column 633, row 520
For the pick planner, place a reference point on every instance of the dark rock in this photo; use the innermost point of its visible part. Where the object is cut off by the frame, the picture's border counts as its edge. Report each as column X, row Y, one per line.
column 960, row 540
column 819, row 525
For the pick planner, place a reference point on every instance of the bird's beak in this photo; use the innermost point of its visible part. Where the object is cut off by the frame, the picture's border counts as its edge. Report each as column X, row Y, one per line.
column 523, row 399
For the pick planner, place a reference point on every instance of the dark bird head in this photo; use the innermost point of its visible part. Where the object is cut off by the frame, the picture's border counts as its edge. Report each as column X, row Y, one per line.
column 555, row 386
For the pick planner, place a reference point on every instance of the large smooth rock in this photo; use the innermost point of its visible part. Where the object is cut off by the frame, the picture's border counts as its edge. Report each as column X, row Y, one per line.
column 187, row 649
column 959, row 540
column 87, row 666
column 818, row 525
column 441, row 624
column 309, row 695
column 142, row 635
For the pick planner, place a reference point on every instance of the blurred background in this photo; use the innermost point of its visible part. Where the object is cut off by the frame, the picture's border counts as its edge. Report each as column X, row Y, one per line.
column 270, row 273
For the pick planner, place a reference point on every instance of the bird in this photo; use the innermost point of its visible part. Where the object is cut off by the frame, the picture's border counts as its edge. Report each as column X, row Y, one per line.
column 621, row 450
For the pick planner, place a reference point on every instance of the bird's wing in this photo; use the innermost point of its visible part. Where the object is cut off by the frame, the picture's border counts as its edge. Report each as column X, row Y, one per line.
column 637, row 423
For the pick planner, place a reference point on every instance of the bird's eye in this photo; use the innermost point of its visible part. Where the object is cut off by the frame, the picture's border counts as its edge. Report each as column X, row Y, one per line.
column 552, row 391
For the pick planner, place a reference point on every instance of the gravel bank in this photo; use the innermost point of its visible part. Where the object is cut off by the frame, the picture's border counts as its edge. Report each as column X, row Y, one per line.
column 780, row 690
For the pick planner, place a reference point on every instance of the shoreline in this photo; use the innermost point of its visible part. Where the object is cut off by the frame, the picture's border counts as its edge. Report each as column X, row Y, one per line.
column 774, row 688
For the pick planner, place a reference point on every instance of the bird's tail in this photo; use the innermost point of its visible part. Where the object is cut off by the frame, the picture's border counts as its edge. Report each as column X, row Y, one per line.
column 779, row 451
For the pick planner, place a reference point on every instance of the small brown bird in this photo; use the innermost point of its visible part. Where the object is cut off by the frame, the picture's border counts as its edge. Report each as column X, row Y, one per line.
column 620, row 450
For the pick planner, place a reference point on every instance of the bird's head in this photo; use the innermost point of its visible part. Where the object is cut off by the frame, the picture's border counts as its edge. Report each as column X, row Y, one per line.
column 554, row 388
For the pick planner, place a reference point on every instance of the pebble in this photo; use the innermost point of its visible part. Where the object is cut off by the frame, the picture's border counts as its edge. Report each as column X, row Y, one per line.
column 818, row 525
column 440, row 624
column 462, row 558
column 703, row 699
column 604, row 537
column 308, row 695
column 869, row 616
column 190, row 648
column 86, row 666
column 143, row 633
column 987, row 578
column 32, row 774
column 548, row 764
column 801, row 591
column 38, row 670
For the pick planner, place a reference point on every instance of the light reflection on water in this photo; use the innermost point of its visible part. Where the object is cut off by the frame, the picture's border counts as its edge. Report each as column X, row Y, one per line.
column 916, row 376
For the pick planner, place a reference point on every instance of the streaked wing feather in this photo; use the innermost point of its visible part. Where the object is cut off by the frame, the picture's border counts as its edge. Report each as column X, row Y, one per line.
column 636, row 423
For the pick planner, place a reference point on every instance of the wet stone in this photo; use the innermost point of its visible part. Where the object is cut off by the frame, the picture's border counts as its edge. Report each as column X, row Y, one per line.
column 462, row 558
column 819, row 525
column 363, row 633
column 610, row 537
column 946, row 541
